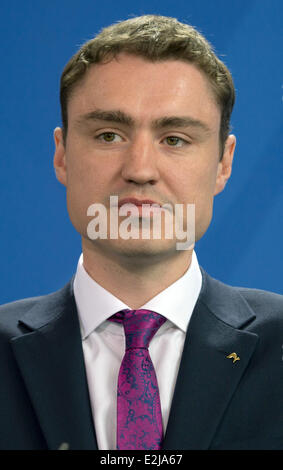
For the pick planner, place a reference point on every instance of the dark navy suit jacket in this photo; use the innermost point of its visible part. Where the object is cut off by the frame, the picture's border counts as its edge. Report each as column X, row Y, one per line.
column 217, row 404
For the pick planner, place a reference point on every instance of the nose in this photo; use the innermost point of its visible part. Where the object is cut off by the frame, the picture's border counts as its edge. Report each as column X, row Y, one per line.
column 140, row 162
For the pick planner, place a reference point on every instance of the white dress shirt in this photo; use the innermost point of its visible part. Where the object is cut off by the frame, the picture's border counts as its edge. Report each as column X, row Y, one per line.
column 104, row 343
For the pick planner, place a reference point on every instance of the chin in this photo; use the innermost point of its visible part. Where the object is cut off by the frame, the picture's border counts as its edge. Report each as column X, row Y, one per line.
column 143, row 250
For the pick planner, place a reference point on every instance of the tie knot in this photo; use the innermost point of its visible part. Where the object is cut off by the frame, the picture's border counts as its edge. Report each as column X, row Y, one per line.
column 140, row 326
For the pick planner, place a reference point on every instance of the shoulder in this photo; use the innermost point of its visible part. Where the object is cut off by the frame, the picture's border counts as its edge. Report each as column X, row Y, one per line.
column 12, row 313
column 261, row 299
column 256, row 298
column 266, row 306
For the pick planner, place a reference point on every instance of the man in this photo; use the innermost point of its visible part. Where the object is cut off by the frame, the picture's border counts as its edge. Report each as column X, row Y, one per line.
column 145, row 109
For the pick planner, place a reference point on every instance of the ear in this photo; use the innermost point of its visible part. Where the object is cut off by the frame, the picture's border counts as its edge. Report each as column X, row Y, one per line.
column 59, row 161
column 225, row 165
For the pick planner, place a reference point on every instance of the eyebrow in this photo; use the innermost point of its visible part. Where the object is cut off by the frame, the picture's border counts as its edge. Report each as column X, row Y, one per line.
column 120, row 117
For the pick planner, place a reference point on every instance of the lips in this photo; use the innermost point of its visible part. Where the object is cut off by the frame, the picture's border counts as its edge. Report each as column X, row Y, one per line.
column 137, row 202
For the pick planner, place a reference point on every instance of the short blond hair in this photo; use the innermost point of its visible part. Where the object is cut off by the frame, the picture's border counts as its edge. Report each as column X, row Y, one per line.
column 155, row 38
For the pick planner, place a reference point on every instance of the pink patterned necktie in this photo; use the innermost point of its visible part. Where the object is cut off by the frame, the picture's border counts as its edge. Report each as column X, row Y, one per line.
column 139, row 420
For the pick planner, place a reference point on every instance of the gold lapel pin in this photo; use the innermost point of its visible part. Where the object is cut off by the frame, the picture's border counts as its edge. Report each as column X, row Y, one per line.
column 234, row 357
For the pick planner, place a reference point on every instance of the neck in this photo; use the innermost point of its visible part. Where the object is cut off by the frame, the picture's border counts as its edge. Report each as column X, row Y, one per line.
column 134, row 281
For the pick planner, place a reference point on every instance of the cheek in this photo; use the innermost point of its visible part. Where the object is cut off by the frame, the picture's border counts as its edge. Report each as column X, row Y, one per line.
column 85, row 178
column 84, row 188
column 204, row 198
column 194, row 184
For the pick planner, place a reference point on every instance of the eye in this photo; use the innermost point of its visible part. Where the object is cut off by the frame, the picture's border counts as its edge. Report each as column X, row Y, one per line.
column 174, row 141
column 109, row 137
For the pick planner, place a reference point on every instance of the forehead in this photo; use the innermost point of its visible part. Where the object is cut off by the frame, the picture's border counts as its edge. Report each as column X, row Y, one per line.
column 146, row 88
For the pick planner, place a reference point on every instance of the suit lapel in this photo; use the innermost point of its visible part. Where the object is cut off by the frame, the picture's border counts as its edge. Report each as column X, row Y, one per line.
column 207, row 379
column 50, row 358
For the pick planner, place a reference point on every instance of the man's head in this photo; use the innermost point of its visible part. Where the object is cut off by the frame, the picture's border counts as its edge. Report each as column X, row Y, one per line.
column 155, row 38
column 144, row 128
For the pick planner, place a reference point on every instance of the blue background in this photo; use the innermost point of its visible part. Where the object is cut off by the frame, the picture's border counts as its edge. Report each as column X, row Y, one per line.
column 39, row 247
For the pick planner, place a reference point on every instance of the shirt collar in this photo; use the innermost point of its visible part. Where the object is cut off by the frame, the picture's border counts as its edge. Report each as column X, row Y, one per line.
column 95, row 304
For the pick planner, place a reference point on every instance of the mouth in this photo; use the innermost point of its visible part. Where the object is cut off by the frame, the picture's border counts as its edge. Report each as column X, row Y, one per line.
column 146, row 207
column 137, row 202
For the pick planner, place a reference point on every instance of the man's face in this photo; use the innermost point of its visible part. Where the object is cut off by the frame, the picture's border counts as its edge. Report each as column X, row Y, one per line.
column 156, row 137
